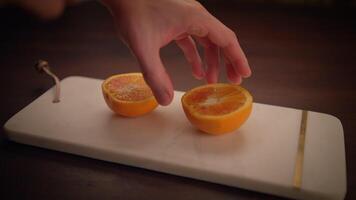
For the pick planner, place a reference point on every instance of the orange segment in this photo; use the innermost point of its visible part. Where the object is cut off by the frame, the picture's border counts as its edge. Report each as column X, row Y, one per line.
column 217, row 108
column 128, row 95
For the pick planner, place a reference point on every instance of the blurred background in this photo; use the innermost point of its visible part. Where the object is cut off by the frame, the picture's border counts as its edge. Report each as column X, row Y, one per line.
column 305, row 2
column 289, row 43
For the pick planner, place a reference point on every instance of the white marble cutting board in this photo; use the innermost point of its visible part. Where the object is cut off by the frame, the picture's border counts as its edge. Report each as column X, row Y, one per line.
column 260, row 156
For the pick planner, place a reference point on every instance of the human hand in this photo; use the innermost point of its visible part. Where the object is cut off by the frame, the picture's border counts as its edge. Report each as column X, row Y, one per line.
column 146, row 26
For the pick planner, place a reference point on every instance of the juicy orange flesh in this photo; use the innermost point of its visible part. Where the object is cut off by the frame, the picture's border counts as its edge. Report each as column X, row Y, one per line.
column 215, row 100
column 129, row 88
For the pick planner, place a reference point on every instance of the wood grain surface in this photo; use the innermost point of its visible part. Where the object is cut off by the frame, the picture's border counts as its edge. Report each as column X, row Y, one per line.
column 301, row 57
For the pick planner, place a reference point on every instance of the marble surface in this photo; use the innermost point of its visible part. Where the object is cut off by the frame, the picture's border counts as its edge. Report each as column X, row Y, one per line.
column 259, row 156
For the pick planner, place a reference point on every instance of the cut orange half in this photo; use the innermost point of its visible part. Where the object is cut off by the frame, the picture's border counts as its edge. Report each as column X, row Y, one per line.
column 217, row 108
column 128, row 95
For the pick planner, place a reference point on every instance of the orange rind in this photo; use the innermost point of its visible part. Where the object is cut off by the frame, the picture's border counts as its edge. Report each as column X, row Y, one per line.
column 217, row 108
column 128, row 95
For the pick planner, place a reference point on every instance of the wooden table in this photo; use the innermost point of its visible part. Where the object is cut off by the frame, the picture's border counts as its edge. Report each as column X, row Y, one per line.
column 301, row 58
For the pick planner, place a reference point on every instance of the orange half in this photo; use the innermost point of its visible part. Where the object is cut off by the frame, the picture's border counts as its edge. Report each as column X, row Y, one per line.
column 128, row 95
column 217, row 108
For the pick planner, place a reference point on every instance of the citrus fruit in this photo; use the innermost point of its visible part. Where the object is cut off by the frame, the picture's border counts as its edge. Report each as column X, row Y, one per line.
column 217, row 108
column 128, row 95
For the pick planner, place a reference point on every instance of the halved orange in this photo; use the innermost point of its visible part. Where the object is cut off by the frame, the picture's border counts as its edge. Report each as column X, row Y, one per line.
column 217, row 108
column 128, row 95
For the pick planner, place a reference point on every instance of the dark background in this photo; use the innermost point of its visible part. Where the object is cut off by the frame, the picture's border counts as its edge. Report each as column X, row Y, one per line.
column 301, row 57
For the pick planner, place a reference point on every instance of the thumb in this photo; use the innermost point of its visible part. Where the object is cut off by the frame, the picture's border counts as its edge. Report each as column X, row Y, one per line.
column 155, row 74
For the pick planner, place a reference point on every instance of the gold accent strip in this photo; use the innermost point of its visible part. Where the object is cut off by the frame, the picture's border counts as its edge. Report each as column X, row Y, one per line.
column 298, row 172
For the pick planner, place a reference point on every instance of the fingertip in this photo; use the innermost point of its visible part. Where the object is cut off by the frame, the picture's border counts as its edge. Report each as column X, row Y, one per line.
column 235, row 56
column 211, row 79
column 236, row 81
column 247, row 74
column 164, row 99
column 161, row 85
column 191, row 53
column 242, row 68
column 247, row 71
column 234, row 78
column 212, row 76
column 199, row 75
column 156, row 77
column 163, row 95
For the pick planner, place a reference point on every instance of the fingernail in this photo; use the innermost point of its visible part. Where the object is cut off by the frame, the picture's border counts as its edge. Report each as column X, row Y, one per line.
column 165, row 99
column 235, row 80
column 248, row 72
column 197, row 77
column 200, row 75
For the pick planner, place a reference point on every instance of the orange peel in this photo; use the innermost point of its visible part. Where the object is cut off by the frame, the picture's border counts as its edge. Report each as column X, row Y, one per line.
column 128, row 95
column 217, row 108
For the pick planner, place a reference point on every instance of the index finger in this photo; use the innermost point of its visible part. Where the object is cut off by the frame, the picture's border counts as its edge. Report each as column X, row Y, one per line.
column 226, row 39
